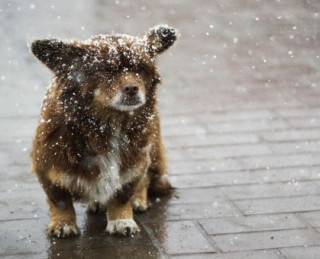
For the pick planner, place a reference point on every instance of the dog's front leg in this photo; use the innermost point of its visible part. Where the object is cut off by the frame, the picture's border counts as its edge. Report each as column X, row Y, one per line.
column 62, row 214
column 120, row 218
column 62, row 218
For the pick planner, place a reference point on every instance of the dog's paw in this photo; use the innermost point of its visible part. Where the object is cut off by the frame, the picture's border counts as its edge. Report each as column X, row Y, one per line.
column 139, row 205
column 122, row 227
column 96, row 208
column 62, row 229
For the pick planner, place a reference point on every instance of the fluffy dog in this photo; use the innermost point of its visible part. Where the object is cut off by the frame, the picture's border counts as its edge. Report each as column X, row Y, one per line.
column 98, row 138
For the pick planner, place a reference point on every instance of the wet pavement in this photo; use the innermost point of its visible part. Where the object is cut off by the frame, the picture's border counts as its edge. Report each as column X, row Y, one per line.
column 240, row 108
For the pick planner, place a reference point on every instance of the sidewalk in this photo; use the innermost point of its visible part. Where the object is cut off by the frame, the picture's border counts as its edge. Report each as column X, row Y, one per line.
column 240, row 108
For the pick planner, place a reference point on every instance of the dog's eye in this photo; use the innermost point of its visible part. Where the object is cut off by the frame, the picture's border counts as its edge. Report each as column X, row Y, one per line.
column 139, row 70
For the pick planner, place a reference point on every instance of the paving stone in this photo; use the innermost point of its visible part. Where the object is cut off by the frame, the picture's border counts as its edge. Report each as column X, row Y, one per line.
column 165, row 211
column 213, row 179
column 279, row 205
column 23, row 204
column 26, row 255
column 13, row 132
column 265, row 254
column 178, row 130
column 214, row 139
column 247, row 126
column 269, row 190
column 298, row 112
column 276, row 161
column 23, row 237
column 311, row 218
column 17, row 153
column 227, row 225
column 305, row 252
column 295, row 147
column 269, row 98
column 179, row 120
column 11, row 186
column 196, row 195
column 236, row 115
column 267, row 240
column 292, row 174
column 214, row 165
column 317, row 183
column 313, row 122
column 177, row 155
column 18, row 177
column 308, row 97
column 180, row 238
column 218, row 208
column 219, row 152
column 291, row 135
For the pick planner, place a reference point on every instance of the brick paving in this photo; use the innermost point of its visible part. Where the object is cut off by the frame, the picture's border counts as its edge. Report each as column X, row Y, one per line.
column 240, row 107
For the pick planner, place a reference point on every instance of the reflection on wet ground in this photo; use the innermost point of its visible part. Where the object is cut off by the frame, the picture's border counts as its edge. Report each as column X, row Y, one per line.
column 26, row 237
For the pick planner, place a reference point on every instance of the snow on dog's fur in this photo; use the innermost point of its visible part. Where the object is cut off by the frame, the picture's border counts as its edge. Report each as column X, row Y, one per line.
column 98, row 138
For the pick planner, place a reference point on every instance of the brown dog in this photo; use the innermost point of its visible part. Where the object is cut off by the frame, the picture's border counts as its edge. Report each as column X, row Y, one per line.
column 98, row 139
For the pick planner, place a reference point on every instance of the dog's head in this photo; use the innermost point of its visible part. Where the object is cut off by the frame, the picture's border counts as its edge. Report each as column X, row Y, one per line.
column 116, row 71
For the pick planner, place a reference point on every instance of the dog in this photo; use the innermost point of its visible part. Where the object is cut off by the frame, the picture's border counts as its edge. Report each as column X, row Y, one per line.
column 98, row 138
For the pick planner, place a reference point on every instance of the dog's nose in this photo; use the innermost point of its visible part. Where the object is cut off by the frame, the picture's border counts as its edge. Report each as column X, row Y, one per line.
column 130, row 90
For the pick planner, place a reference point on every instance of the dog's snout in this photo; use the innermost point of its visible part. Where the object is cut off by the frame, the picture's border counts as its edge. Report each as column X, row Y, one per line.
column 130, row 90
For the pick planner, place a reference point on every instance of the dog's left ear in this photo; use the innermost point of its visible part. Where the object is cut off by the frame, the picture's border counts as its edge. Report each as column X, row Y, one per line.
column 160, row 38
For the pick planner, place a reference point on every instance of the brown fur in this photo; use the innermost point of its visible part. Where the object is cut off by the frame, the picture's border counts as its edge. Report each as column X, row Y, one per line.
column 82, row 125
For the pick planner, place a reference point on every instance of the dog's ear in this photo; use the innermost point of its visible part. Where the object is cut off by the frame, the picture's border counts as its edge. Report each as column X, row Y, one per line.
column 57, row 55
column 160, row 38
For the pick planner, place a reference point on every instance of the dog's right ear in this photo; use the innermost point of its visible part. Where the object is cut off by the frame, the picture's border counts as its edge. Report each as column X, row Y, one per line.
column 57, row 55
column 160, row 38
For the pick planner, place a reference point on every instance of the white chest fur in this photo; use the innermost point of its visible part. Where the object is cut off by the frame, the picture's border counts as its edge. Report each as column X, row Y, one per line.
column 110, row 179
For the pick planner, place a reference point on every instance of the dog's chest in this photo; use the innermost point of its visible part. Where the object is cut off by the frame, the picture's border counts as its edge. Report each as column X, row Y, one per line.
column 110, row 180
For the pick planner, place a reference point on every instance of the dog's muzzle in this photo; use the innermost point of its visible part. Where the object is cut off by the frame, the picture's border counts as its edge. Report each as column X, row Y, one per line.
column 130, row 95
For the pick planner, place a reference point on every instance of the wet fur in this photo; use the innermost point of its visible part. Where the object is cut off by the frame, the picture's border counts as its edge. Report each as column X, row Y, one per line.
column 85, row 148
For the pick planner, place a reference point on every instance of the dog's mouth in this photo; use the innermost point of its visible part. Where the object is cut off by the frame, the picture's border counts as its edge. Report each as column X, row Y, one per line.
column 128, row 103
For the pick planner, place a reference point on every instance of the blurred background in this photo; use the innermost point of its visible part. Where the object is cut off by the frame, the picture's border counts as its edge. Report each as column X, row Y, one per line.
column 240, row 109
